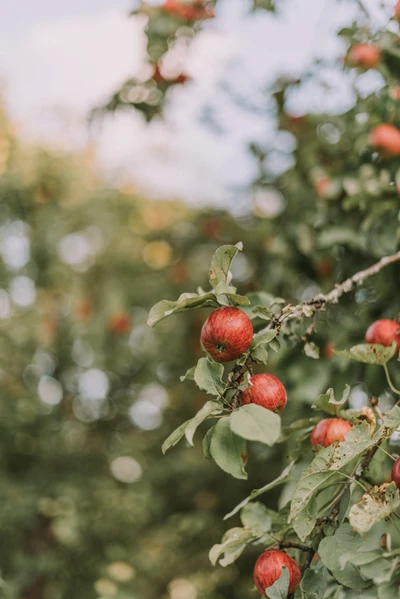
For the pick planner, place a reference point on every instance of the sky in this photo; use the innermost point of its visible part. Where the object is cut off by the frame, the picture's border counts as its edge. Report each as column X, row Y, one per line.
column 60, row 59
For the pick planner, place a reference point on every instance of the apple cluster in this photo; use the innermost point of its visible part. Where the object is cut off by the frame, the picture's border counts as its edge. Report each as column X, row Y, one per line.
column 226, row 335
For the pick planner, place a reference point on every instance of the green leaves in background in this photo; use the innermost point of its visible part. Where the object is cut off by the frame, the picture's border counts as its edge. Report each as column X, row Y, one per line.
column 369, row 353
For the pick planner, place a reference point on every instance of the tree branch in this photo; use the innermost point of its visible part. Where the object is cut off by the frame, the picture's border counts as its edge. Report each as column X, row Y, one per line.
column 319, row 302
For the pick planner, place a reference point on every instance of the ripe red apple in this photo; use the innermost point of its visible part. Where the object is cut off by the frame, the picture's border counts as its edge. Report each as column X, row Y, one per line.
column 386, row 139
column 268, row 569
column 383, row 332
column 195, row 10
column 266, row 391
column 365, row 56
column 328, row 431
column 120, row 323
column 227, row 334
column 396, row 473
column 322, row 186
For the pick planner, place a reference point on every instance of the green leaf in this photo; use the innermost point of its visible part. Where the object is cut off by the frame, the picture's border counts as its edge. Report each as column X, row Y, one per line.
column 262, row 312
column 305, row 523
column 331, row 549
column 311, row 350
column 256, row 516
column 206, row 443
column 326, row 401
column 312, row 480
column 223, row 290
column 255, row 423
column 175, row 437
column 280, row 588
column 233, row 544
column 263, row 337
column 358, row 440
column 189, row 375
column 186, row 301
column 260, row 354
column 228, row 450
column 208, row 377
column 282, row 478
column 391, row 420
column 209, row 408
column 314, row 583
column 221, row 263
column 369, row 353
column 375, row 505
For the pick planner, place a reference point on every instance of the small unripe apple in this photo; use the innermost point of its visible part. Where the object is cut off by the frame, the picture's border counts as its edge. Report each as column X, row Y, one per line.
column 266, row 391
column 227, row 334
column 396, row 473
column 383, row 332
column 386, row 139
column 365, row 56
column 120, row 323
column 268, row 569
column 329, row 431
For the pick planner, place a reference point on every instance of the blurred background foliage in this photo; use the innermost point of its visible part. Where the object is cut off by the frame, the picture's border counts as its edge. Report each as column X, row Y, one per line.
column 90, row 508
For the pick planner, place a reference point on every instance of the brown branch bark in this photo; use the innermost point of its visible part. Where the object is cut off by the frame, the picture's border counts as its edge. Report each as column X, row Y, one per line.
column 319, row 302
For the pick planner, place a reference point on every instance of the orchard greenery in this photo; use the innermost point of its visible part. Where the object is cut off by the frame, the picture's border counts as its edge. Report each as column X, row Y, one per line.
column 334, row 502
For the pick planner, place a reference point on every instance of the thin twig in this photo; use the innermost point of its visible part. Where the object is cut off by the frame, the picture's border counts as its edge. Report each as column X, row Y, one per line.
column 319, row 302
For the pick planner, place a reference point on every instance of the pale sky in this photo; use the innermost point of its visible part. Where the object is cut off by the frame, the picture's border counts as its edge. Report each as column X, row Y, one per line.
column 59, row 59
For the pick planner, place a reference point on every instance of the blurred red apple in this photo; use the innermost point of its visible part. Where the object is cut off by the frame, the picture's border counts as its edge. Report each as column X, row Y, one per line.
column 383, row 332
column 365, row 56
column 386, row 139
column 329, row 431
column 396, row 473
column 120, row 323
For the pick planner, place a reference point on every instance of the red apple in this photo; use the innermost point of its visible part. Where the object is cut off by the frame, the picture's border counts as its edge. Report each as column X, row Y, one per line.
column 188, row 11
column 329, row 431
column 227, row 334
column 329, row 350
column 397, row 11
column 120, row 323
column 268, row 569
column 266, row 391
column 383, row 332
column 386, row 139
column 322, row 186
column 396, row 473
column 365, row 56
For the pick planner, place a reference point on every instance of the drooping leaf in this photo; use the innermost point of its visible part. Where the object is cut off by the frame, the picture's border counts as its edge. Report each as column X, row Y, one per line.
column 282, row 478
column 208, row 377
column 304, row 524
column 369, row 353
column 375, row 505
column 189, row 374
column 311, row 350
column 175, row 437
column 186, row 301
column 221, row 263
column 228, row 450
column 255, row 423
column 209, row 408
column 260, row 354
column 233, row 544
column 331, row 549
column 256, row 516
column 280, row 588
column 263, row 337
column 262, row 312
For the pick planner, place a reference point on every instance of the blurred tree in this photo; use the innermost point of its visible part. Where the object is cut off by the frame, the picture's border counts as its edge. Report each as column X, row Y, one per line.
column 90, row 508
